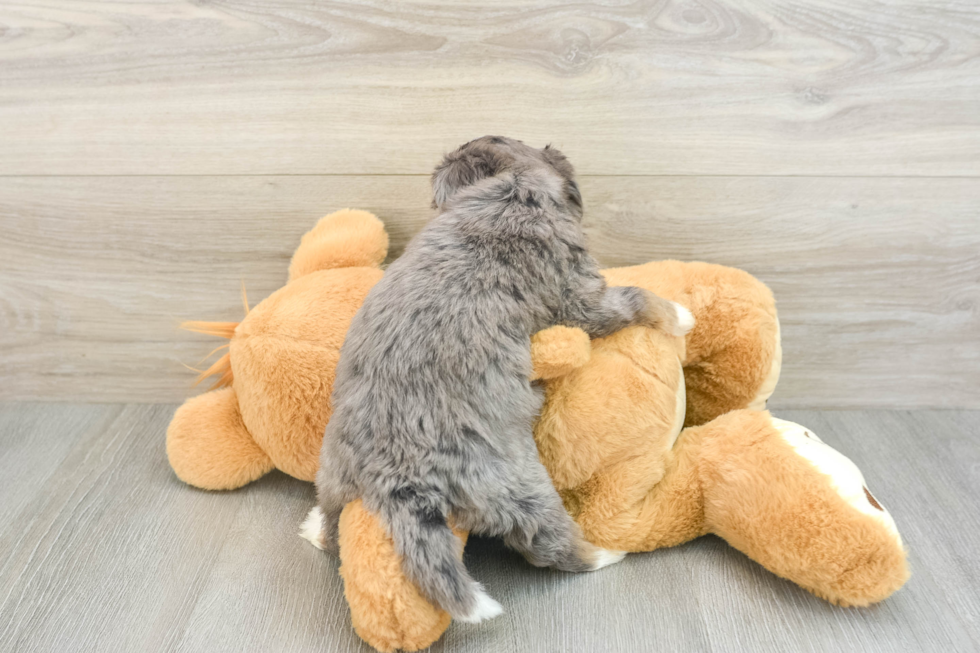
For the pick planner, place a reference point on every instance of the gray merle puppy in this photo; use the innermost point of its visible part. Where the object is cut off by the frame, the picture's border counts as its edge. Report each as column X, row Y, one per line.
column 432, row 407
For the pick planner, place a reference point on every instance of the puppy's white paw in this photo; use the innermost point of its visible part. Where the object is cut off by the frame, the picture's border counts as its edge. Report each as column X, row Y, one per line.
column 312, row 528
column 485, row 608
column 685, row 320
column 605, row 557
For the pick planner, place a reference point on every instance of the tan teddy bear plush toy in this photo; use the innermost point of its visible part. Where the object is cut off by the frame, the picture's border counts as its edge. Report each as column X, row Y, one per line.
column 611, row 432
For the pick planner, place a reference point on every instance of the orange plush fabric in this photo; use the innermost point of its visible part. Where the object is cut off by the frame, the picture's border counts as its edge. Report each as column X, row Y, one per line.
column 228, row 456
column 733, row 354
column 393, row 614
column 611, row 432
column 796, row 524
column 281, row 363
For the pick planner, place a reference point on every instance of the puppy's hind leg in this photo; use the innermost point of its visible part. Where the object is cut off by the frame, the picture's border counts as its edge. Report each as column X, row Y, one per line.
column 321, row 524
column 548, row 537
column 320, row 527
column 312, row 528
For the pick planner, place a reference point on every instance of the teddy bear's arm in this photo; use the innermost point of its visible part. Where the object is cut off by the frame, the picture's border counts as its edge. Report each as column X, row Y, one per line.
column 343, row 239
column 733, row 355
column 558, row 350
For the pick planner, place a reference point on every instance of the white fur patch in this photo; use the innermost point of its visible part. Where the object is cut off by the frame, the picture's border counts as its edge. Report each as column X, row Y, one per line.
column 769, row 383
column 605, row 557
column 685, row 320
column 845, row 477
column 312, row 528
column 485, row 608
column 680, row 407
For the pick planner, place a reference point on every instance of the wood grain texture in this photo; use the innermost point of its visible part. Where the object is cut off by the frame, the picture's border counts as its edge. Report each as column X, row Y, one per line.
column 831, row 87
column 876, row 279
column 112, row 552
column 155, row 153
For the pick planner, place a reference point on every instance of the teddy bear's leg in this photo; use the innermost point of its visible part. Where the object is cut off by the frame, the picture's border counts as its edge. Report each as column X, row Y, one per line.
column 387, row 610
column 777, row 493
column 343, row 239
column 209, row 446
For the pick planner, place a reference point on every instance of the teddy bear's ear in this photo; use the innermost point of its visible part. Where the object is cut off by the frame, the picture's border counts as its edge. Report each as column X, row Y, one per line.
column 344, row 239
column 558, row 350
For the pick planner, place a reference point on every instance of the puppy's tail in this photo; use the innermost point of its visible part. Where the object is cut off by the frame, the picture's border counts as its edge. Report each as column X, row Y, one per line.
column 432, row 558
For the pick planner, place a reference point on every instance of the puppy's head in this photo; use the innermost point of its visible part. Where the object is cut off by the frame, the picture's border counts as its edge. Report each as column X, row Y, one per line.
column 491, row 156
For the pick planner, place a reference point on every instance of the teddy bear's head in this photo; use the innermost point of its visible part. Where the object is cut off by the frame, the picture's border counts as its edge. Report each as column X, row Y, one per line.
column 284, row 353
column 281, row 363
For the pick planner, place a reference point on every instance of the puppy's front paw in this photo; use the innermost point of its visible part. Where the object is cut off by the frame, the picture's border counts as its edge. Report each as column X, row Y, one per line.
column 670, row 317
column 684, row 321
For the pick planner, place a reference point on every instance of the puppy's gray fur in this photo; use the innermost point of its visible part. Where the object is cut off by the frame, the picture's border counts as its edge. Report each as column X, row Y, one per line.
column 432, row 407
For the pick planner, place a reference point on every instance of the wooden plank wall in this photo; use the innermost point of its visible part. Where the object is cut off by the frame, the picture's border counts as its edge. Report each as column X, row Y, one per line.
column 155, row 155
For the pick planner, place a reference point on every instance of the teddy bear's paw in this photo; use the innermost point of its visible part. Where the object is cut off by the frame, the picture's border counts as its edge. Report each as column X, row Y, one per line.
column 485, row 608
column 684, row 322
column 312, row 528
column 605, row 557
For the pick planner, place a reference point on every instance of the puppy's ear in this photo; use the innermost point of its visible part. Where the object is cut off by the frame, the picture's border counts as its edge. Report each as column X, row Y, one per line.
column 563, row 166
column 464, row 167
column 574, row 196
column 558, row 161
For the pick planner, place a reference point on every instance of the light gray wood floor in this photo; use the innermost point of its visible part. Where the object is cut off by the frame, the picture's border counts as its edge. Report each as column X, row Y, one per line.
column 103, row 549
